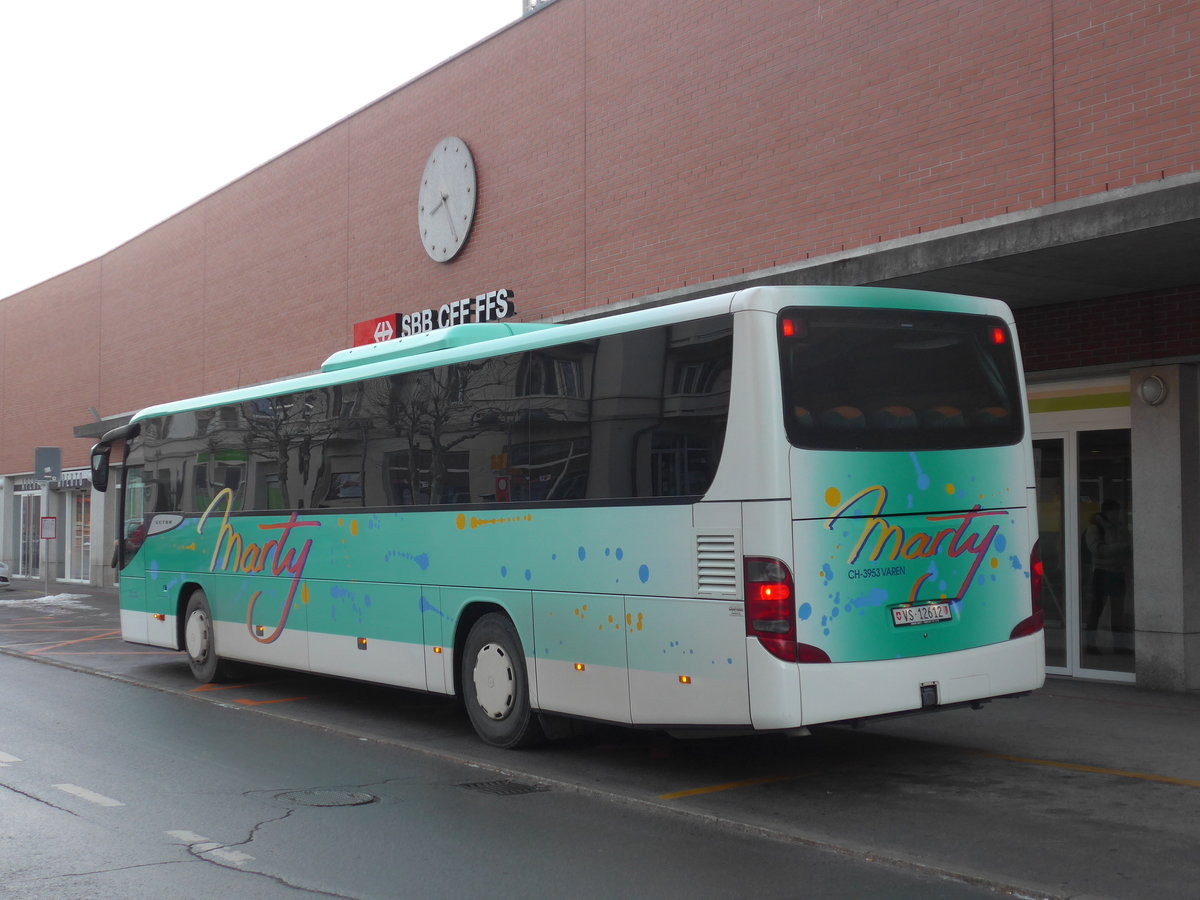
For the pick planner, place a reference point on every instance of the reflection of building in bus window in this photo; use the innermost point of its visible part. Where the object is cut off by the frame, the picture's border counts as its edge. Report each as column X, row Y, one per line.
column 550, row 470
column 542, row 375
column 345, row 486
column 423, row 477
column 682, row 465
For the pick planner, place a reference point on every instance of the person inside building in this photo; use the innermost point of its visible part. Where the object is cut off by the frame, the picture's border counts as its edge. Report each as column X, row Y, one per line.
column 1107, row 541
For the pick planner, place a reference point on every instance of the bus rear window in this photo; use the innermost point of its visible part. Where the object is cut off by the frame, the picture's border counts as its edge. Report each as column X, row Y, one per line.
column 889, row 379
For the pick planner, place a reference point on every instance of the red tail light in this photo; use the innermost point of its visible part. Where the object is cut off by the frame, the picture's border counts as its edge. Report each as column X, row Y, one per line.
column 1036, row 621
column 771, row 611
column 793, row 328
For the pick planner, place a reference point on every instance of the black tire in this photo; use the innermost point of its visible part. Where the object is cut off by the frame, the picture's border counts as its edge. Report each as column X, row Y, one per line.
column 199, row 641
column 496, row 685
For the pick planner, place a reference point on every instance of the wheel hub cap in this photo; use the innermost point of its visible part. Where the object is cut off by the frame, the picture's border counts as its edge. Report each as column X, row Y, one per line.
column 494, row 681
column 196, row 636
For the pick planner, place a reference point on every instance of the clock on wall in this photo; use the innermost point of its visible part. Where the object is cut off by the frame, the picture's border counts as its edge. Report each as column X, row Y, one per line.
column 446, row 204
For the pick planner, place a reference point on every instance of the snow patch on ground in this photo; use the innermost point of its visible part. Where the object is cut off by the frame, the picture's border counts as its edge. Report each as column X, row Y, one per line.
column 52, row 601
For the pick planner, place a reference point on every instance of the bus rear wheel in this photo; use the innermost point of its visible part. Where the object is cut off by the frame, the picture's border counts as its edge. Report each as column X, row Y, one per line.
column 199, row 641
column 496, row 685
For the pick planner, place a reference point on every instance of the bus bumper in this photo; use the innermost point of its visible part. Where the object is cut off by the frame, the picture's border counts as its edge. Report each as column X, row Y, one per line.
column 837, row 692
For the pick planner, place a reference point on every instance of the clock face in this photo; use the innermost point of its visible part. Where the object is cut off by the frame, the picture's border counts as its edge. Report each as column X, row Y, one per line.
column 446, row 204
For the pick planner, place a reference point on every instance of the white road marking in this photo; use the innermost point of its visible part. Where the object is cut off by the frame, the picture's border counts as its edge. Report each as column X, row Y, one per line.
column 233, row 856
column 202, row 846
column 90, row 796
column 6, row 760
column 188, row 837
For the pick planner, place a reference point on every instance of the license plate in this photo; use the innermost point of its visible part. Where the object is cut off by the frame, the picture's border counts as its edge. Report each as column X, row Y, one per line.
column 920, row 615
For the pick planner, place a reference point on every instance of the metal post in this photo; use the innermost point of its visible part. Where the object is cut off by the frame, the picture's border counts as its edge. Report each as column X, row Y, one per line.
column 50, row 481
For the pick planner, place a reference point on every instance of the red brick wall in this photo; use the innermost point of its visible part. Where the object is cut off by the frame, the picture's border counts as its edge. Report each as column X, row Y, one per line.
column 622, row 149
column 49, row 367
column 1135, row 328
column 1126, row 93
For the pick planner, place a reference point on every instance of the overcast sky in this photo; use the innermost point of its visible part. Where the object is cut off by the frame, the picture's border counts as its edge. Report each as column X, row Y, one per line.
column 117, row 114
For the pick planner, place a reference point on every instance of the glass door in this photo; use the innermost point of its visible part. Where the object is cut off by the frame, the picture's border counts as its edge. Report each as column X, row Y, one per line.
column 1105, row 516
column 79, row 550
column 1049, row 463
column 29, row 525
column 1085, row 526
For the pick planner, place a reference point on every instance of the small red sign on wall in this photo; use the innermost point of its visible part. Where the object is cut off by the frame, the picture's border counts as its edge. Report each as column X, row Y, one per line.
column 373, row 331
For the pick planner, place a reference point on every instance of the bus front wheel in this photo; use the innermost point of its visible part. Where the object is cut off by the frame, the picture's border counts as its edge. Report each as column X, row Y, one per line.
column 496, row 685
column 198, row 640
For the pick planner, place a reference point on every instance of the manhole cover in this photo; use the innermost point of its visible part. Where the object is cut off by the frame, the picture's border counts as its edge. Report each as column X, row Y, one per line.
column 504, row 787
column 326, row 798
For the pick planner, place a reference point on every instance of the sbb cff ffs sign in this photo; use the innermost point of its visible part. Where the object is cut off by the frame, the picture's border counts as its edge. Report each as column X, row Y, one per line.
column 492, row 306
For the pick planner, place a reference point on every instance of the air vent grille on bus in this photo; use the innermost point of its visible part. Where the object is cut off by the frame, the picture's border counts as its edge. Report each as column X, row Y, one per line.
column 717, row 564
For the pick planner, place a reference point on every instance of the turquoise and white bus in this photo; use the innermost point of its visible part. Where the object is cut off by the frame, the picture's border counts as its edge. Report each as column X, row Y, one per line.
column 757, row 511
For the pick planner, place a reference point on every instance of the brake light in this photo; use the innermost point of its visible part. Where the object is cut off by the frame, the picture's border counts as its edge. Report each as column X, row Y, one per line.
column 792, row 328
column 1036, row 620
column 999, row 336
column 771, row 611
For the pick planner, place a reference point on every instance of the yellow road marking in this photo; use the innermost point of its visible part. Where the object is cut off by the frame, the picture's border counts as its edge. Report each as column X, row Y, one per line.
column 118, row 653
column 214, row 686
column 245, row 702
column 95, row 637
column 1026, row 760
column 1094, row 770
column 728, row 786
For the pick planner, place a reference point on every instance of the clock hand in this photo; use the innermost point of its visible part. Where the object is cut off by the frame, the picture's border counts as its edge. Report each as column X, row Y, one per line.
column 449, row 216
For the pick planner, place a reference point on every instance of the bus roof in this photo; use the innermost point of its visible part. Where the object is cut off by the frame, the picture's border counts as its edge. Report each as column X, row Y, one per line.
column 463, row 343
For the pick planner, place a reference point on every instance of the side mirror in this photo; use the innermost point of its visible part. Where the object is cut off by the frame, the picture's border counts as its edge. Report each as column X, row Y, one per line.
column 100, row 466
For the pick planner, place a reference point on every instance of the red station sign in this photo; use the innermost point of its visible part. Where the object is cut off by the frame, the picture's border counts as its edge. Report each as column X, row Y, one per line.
column 491, row 306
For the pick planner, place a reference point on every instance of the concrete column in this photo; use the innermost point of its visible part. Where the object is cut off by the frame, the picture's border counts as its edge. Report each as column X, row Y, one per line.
column 51, row 551
column 8, row 517
column 103, row 534
column 1166, row 529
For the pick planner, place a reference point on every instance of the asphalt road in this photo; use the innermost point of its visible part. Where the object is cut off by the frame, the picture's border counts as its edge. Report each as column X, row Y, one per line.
column 113, row 790
column 1083, row 790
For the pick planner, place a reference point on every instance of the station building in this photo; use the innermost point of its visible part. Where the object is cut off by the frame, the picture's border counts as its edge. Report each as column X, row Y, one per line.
column 1045, row 152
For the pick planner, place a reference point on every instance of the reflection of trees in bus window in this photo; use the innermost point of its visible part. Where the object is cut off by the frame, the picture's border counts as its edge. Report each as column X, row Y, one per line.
column 549, row 470
column 586, row 420
column 432, row 421
column 420, row 477
column 291, row 432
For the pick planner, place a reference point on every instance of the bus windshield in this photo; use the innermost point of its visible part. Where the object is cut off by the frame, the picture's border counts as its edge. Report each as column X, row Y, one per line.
column 883, row 379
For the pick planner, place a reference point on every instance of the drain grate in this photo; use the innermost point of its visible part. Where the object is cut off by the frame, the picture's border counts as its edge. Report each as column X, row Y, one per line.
column 326, row 798
column 504, row 787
